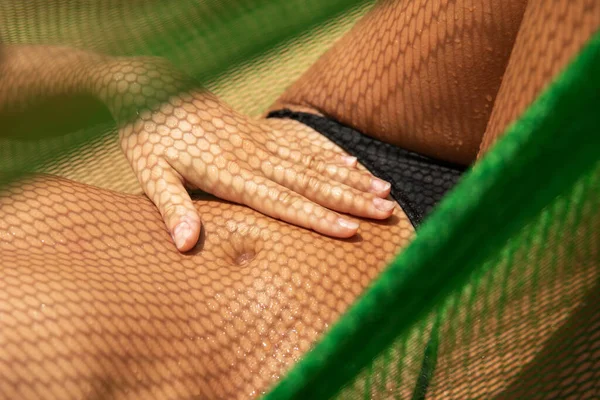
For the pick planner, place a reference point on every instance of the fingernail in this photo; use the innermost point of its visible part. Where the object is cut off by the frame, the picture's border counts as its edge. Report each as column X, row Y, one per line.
column 382, row 204
column 347, row 224
column 181, row 233
column 377, row 185
column 349, row 160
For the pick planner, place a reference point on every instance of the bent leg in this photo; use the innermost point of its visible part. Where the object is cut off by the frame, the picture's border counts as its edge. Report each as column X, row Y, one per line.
column 551, row 35
column 419, row 74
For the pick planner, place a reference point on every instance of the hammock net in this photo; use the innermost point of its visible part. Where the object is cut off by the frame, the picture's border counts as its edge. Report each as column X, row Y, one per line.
column 498, row 295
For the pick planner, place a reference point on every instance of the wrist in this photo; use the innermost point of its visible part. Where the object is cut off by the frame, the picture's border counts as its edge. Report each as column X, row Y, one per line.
column 129, row 85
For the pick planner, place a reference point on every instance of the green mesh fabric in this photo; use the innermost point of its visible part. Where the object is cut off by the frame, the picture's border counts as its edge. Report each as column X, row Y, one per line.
column 91, row 155
column 498, row 293
column 497, row 297
column 214, row 41
column 184, row 31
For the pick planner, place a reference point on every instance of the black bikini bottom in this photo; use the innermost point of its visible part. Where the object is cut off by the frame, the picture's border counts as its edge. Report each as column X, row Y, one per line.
column 418, row 182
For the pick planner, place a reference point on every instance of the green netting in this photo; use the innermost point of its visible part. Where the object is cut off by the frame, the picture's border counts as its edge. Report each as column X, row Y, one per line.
column 509, row 252
column 205, row 39
column 498, row 294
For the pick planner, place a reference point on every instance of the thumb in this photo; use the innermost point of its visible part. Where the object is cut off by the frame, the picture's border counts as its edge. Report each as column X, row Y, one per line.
column 167, row 192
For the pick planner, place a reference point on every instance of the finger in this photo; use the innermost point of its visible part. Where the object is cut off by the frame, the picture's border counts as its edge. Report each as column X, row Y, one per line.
column 295, row 135
column 358, row 179
column 323, row 191
column 296, row 130
column 279, row 202
column 292, row 140
column 349, row 161
column 276, row 201
column 295, row 152
column 165, row 188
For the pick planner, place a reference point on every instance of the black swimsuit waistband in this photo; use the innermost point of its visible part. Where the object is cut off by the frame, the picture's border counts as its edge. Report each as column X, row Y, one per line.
column 418, row 182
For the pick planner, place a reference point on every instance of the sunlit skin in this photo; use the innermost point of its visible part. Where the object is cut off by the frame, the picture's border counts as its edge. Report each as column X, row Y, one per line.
column 104, row 294
column 176, row 134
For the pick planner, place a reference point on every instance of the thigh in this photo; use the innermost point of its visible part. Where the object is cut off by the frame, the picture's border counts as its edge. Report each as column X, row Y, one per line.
column 551, row 34
column 419, row 74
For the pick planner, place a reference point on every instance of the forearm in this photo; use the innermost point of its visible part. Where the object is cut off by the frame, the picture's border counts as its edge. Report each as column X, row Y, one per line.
column 32, row 74
column 418, row 74
column 175, row 134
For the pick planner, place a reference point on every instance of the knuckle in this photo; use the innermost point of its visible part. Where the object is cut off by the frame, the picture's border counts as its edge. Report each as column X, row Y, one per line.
column 172, row 155
column 273, row 147
column 156, row 173
column 250, row 147
column 286, row 198
column 314, row 163
column 233, row 167
column 321, row 213
column 310, row 182
column 170, row 210
column 342, row 173
column 319, row 165
column 308, row 160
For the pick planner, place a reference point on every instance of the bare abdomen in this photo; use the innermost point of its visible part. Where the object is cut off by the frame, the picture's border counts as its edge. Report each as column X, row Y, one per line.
column 95, row 299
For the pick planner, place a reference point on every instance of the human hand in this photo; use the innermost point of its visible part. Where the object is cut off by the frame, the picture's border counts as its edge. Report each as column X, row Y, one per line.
column 191, row 139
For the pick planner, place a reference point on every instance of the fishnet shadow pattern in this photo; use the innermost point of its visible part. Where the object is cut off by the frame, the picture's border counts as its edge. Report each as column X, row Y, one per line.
column 568, row 367
column 215, row 42
column 96, row 301
column 561, row 118
column 514, row 313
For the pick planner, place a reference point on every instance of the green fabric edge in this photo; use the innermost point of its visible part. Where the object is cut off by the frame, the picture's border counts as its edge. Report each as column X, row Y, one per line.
column 227, row 40
column 442, row 256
